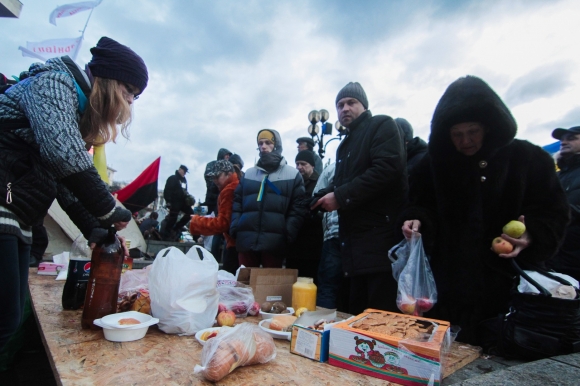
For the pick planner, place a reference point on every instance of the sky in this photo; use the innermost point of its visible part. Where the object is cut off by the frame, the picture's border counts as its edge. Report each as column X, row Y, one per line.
column 219, row 71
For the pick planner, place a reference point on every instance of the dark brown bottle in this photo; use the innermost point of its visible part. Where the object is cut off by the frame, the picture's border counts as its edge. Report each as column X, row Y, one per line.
column 105, row 277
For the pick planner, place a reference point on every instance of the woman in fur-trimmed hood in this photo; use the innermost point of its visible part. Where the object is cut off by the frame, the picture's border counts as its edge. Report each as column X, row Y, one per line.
column 475, row 179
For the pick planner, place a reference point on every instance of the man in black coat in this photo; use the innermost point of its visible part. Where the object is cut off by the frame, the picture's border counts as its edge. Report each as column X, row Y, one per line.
column 370, row 189
column 416, row 147
column 305, row 143
column 177, row 200
column 567, row 260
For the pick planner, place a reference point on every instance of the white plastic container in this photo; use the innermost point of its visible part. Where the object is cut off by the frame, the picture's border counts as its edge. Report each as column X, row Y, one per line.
column 115, row 332
column 269, row 315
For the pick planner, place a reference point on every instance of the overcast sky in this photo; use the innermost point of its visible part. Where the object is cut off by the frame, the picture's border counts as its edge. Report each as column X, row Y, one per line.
column 222, row 70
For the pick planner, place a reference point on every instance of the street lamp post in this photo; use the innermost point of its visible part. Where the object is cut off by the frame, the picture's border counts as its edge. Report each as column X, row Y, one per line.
column 315, row 131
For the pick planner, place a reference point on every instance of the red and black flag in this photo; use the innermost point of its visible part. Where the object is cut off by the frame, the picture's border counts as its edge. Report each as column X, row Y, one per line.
column 142, row 191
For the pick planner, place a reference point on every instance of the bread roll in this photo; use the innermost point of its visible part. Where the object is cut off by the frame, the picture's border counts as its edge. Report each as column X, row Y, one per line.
column 220, row 363
column 265, row 348
column 244, row 350
column 127, row 321
column 142, row 304
column 282, row 322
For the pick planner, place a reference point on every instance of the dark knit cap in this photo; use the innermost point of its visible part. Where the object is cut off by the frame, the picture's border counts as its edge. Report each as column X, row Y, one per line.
column 406, row 128
column 306, row 156
column 113, row 60
column 221, row 166
column 309, row 141
column 237, row 160
column 353, row 90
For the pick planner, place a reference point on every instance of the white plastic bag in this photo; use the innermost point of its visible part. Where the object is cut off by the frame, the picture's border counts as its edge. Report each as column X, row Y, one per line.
column 183, row 290
column 399, row 255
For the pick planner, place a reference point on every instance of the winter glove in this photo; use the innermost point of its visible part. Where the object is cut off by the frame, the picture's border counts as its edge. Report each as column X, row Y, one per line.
column 117, row 215
column 97, row 235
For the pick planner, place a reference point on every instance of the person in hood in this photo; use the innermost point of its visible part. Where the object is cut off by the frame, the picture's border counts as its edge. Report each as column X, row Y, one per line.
column 416, row 147
column 268, row 206
column 177, row 200
column 369, row 191
column 226, row 177
column 212, row 191
column 48, row 121
column 475, row 178
column 567, row 260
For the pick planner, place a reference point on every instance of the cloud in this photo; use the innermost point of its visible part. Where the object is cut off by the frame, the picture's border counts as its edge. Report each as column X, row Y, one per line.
column 543, row 82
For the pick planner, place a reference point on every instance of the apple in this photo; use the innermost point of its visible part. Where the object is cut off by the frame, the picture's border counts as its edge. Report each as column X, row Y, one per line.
column 254, row 309
column 240, row 309
column 424, row 304
column 222, row 307
column 514, row 229
column 226, row 318
column 407, row 305
column 499, row 246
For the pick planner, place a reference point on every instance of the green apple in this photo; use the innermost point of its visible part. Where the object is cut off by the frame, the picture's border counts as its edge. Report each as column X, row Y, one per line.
column 514, row 229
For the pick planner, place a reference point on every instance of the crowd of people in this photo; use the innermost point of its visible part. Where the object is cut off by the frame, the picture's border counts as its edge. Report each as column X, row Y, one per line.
column 335, row 224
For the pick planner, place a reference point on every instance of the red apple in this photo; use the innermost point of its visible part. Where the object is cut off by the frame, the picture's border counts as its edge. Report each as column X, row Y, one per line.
column 424, row 304
column 499, row 246
column 226, row 318
column 221, row 307
column 407, row 305
column 254, row 309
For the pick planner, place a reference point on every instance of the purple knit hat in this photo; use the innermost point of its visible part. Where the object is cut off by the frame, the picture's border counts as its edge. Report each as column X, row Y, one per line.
column 113, row 60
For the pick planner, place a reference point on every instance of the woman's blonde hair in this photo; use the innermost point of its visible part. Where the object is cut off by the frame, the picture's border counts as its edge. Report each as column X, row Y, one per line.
column 107, row 109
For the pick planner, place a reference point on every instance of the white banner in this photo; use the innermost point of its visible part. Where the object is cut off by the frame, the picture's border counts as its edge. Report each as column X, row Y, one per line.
column 72, row 9
column 52, row 48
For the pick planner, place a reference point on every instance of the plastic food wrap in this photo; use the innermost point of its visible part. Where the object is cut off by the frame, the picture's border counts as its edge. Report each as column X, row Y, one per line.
column 237, row 298
column 245, row 344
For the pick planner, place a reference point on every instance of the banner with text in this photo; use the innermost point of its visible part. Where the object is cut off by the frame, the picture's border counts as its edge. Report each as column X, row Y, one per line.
column 52, row 48
column 72, row 9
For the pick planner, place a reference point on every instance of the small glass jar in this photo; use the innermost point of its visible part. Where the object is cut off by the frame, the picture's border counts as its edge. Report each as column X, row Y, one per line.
column 304, row 294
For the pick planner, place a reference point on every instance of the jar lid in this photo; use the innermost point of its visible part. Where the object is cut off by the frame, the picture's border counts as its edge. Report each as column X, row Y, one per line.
column 306, row 280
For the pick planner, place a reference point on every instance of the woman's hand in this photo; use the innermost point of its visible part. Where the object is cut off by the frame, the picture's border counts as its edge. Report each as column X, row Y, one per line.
column 519, row 244
column 409, row 227
column 124, row 244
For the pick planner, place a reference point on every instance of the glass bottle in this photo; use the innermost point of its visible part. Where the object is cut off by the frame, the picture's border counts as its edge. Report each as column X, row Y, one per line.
column 304, row 294
column 105, row 277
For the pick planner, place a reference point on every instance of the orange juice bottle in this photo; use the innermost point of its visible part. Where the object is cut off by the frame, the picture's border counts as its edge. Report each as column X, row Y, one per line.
column 304, row 294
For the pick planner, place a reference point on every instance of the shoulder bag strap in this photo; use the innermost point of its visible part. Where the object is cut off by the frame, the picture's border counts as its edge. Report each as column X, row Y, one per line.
column 521, row 272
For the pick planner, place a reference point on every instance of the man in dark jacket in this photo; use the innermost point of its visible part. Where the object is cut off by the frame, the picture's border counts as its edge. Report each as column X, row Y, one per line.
column 177, row 200
column 567, row 260
column 212, row 191
column 305, row 143
column 306, row 251
column 416, row 147
column 475, row 179
column 370, row 188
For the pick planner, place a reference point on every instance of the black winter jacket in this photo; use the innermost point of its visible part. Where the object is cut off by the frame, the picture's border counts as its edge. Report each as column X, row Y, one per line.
column 175, row 190
column 416, row 150
column 463, row 202
column 370, row 185
column 567, row 259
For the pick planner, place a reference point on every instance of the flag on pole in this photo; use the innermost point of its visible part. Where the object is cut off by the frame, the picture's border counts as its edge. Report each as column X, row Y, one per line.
column 72, row 9
column 47, row 49
column 143, row 190
column 100, row 161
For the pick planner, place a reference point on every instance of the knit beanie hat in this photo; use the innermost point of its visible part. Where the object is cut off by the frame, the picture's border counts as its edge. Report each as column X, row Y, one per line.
column 266, row 134
column 221, row 166
column 113, row 60
column 406, row 128
column 237, row 160
column 309, row 141
column 353, row 90
column 306, row 156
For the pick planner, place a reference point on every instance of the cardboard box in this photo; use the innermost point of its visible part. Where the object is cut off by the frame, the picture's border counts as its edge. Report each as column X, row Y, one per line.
column 415, row 364
column 270, row 284
column 308, row 342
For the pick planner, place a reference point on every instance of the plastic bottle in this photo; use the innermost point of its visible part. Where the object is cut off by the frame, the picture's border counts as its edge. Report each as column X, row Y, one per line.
column 104, row 280
column 304, row 294
column 79, row 266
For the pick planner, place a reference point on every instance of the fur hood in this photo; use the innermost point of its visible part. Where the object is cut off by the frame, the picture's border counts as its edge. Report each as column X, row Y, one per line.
column 470, row 99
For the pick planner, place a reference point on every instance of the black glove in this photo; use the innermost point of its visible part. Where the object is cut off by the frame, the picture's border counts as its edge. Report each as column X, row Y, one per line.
column 97, row 235
column 119, row 214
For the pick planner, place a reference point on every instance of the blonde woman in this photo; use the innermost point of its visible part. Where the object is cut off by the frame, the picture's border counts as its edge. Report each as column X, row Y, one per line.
column 47, row 123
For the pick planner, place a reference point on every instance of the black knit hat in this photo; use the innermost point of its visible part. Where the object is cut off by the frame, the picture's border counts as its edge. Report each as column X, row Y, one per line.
column 406, row 128
column 237, row 160
column 306, row 156
column 221, row 166
column 353, row 90
column 113, row 60
column 309, row 141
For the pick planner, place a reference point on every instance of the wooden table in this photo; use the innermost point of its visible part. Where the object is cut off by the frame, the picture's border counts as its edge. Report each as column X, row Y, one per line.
column 84, row 357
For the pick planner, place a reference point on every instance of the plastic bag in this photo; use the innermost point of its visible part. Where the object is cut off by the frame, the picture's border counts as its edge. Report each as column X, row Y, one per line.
column 243, row 345
column 399, row 255
column 183, row 290
column 417, row 292
column 236, row 297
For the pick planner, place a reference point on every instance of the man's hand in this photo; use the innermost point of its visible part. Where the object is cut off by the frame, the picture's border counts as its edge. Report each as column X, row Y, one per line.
column 124, row 245
column 409, row 227
column 519, row 244
column 328, row 203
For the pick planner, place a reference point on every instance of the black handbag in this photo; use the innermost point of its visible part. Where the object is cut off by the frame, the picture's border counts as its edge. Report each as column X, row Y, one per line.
column 538, row 325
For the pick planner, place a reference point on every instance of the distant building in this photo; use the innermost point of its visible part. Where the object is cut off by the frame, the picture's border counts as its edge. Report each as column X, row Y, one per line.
column 10, row 8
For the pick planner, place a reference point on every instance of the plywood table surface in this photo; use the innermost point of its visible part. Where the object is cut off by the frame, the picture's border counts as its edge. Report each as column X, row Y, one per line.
column 84, row 357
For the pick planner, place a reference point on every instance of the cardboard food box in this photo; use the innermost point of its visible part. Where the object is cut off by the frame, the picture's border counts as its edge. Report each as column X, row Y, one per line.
column 405, row 360
column 47, row 268
column 270, row 284
column 308, row 342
